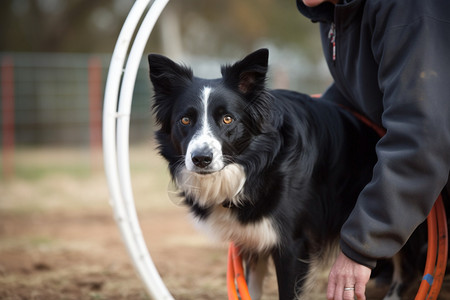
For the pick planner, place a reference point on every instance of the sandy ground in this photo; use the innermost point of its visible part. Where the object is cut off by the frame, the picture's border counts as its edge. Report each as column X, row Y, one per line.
column 59, row 240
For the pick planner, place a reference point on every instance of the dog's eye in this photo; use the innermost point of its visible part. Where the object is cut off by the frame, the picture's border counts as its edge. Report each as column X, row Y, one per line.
column 227, row 119
column 185, row 121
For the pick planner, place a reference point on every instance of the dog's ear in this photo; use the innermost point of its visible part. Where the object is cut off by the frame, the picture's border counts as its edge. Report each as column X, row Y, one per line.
column 168, row 79
column 249, row 74
column 166, row 75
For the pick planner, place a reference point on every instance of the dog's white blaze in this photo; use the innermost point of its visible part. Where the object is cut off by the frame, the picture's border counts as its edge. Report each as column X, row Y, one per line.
column 204, row 138
column 206, row 92
column 222, row 225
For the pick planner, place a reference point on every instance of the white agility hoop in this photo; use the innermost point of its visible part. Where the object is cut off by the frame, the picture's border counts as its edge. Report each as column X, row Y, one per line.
column 116, row 123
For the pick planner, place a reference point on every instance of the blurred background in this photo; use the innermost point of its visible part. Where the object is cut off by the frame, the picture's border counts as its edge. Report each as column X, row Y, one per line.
column 54, row 53
column 58, row 239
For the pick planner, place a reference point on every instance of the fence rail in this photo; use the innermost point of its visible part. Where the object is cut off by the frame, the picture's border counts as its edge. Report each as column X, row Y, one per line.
column 55, row 99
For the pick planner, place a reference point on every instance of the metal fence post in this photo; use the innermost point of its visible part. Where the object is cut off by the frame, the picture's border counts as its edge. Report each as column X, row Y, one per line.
column 95, row 110
column 7, row 84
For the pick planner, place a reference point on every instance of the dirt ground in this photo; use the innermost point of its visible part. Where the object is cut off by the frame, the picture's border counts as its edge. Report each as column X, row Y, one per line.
column 59, row 240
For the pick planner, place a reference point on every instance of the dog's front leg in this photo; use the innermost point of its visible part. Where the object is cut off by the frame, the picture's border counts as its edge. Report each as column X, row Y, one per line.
column 256, row 270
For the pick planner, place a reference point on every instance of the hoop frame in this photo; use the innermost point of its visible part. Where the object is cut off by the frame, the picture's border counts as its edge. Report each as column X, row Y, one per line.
column 116, row 122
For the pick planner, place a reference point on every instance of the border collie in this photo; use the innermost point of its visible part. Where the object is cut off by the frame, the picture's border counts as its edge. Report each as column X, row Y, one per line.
column 273, row 171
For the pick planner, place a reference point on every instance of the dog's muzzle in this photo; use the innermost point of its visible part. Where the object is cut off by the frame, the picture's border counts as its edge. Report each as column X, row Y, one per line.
column 204, row 155
column 202, row 159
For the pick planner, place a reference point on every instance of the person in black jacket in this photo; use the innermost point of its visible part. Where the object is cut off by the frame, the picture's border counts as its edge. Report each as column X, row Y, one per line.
column 390, row 61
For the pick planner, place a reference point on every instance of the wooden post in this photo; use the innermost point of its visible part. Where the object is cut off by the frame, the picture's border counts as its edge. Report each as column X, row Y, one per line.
column 95, row 110
column 7, row 83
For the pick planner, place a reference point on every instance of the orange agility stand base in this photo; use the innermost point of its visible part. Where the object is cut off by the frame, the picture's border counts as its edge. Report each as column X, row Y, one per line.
column 235, row 276
column 437, row 253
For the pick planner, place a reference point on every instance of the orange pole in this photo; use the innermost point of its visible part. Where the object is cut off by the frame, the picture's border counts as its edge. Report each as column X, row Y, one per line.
column 239, row 274
column 442, row 249
column 232, row 293
column 428, row 277
column 235, row 275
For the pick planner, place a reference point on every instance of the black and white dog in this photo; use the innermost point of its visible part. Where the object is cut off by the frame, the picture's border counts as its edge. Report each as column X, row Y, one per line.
column 273, row 171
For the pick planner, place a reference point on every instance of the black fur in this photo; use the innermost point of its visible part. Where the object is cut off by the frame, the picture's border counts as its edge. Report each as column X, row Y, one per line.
column 305, row 160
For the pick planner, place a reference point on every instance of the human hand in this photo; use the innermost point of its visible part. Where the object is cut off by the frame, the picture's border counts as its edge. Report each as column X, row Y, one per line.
column 347, row 279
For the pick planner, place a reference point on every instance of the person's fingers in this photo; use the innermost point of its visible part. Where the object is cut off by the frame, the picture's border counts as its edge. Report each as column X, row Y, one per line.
column 336, row 282
column 330, row 291
column 343, row 288
column 338, row 295
column 349, row 292
column 347, row 280
column 360, row 291
column 331, row 287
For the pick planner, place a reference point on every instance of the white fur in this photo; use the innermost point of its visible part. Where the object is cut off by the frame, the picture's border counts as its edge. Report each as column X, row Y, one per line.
column 223, row 225
column 204, row 138
column 213, row 188
column 257, row 270
column 318, row 265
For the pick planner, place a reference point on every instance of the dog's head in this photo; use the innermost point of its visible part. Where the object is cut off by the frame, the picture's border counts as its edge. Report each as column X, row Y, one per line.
column 206, row 124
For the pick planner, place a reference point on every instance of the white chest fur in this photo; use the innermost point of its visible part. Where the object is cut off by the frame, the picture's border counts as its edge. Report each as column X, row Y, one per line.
column 223, row 226
column 212, row 190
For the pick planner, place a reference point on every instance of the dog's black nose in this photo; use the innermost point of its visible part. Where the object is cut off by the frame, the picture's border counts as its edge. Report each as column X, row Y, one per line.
column 202, row 160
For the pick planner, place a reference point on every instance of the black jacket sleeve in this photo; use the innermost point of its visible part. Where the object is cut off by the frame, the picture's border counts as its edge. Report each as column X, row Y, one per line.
column 414, row 155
